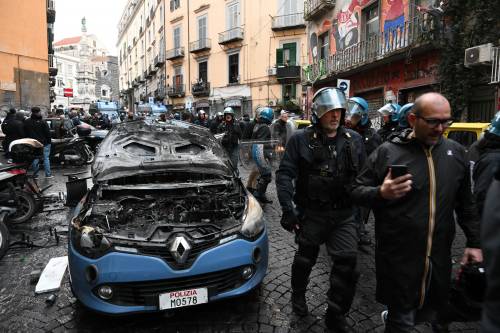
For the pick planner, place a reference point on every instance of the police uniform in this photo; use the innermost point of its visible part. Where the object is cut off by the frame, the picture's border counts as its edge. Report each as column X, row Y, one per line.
column 323, row 170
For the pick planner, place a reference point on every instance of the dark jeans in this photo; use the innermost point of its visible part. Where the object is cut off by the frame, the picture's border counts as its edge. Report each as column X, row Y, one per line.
column 339, row 232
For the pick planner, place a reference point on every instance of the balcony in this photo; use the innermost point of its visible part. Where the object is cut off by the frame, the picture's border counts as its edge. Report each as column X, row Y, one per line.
column 291, row 21
column 201, row 89
column 315, row 8
column 159, row 60
column 176, row 91
column 288, row 73
column 231, row 35
column 142, row 77
column 151, row 70
column 51, row 11
column 417, row 33
column 200, row 45
column 136, row 81
column 176, row 53
column 52, row 66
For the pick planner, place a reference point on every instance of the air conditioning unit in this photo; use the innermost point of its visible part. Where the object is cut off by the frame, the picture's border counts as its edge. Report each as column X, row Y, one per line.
column 478, row 55
column 271, row 71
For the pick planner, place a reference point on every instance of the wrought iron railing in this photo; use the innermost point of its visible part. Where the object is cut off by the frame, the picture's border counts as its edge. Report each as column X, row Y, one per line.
column 201, row 44
column 419, row 30
column 288, row 21
column 495, row 66
column 178, row 52
column 313, row 7
column 231, row 35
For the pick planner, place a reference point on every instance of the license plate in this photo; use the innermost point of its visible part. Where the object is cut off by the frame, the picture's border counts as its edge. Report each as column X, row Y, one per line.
column 181, row 298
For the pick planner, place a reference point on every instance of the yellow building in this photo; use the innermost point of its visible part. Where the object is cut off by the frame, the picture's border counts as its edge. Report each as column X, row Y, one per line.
column 26, row 31
column 238, row 53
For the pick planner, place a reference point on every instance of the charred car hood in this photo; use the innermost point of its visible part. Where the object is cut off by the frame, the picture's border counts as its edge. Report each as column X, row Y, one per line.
column 141, row 147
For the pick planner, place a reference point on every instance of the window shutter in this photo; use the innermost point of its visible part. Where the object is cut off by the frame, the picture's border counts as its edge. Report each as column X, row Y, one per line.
column 279, row 57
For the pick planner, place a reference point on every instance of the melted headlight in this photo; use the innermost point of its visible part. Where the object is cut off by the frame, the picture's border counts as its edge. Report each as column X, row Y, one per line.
column 253, row 220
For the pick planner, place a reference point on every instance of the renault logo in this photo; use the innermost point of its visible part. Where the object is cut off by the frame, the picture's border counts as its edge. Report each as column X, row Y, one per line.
column 180, row 249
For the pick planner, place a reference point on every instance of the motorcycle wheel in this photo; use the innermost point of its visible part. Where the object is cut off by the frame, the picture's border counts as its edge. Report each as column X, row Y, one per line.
column 4, row 239
column 25, row 209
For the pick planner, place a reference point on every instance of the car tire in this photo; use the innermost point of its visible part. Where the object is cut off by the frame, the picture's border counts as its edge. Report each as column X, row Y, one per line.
column 26, row 208
column 4, row 239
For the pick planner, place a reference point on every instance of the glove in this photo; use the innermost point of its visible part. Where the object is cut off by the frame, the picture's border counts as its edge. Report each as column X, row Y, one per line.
column 289, row 221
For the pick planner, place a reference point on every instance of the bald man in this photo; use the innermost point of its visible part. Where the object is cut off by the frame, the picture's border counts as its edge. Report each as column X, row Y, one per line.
column 415, row 183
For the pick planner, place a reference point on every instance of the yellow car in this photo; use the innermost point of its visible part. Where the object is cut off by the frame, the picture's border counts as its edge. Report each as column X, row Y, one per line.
column 300, row 123
column 466, row 133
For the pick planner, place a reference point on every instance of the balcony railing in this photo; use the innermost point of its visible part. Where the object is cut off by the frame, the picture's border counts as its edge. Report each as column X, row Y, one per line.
column 288, row 73
column 51, row 11
column 231, row 35
column 418, row 31
column 176, row 53
column 176, row 91
column 52, row 66
column 151, row 70
column 160, row 60
column 201, row 89
column 200, row 45
column 291, row 21
column 314, row 8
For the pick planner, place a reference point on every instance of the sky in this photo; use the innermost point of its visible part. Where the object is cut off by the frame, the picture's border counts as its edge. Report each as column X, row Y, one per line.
column 102, row 20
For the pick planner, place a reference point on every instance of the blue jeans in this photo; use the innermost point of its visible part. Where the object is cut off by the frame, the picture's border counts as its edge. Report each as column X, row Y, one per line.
column 46, row 162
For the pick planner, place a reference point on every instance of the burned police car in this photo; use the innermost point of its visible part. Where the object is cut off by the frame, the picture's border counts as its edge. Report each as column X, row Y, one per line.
column 166, row 224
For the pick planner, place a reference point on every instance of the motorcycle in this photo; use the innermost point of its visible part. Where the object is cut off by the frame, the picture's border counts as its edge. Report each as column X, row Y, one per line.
column 71, row 150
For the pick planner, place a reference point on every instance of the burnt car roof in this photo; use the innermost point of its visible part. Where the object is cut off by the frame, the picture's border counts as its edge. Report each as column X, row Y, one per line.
column 144, row 146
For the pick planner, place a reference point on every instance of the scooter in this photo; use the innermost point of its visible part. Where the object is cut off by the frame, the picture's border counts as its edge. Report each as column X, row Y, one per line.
column 71, row 150
column 4, row 232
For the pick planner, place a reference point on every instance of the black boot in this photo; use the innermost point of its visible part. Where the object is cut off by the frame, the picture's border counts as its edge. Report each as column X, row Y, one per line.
column 299, row 303
column 337, row 322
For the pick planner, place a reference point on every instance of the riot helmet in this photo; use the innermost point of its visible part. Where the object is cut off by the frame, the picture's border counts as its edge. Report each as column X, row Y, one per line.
column 403, row 115
column 327, row 99
column 495, row 125
column 391, row 111
column 177, row 116
column 266, row 114
column 229, row 110
column 358, row 108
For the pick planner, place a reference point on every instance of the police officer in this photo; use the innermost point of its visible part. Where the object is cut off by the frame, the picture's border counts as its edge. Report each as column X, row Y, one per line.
column 390, row 119
column 322, row 161
column 261, row 152
column 488, row 152
column 232, row 136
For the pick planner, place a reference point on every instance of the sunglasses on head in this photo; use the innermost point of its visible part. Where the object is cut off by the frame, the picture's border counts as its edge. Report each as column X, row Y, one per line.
column 433, row 122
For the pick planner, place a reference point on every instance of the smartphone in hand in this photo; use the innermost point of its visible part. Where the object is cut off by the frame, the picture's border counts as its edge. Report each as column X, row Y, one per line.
column 398, row 170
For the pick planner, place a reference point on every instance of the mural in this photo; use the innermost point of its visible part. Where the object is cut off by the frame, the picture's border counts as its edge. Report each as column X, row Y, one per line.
column 392, row 19
column 346, row 24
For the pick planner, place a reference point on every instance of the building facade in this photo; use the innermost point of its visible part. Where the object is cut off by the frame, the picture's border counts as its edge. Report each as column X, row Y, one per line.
column 85, row 67
column 238, row 53
column 26, row 35
column 388, row 50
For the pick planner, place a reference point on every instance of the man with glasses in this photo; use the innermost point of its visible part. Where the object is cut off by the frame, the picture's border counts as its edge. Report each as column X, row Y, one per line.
column 415, row 183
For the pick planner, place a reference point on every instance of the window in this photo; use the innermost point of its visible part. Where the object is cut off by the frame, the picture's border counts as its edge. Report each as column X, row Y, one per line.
column 289, row 91
column 177, row 79
column 323, row 45
column 234, row 75
column 174, row 4
column 287, row 55
column 371, row 21
column 69, row 69
column 60, row 83
column 203, row 71
column 233, row 15
column 202, row 29
column 161, row 15
column 59, row 67
column 177, row 37
column 104, row 93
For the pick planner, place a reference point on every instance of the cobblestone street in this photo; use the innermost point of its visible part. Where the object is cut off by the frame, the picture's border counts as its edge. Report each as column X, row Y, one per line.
column 265, row 310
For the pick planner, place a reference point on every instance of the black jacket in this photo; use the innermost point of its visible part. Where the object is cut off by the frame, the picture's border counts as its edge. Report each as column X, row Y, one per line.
column 232, row 135
column 485, row 166
column 386, row 131
column 402, row 226
column 13, row 128
column 490, row 238
column 370, row 136
column 300, row 157
column 38, row 129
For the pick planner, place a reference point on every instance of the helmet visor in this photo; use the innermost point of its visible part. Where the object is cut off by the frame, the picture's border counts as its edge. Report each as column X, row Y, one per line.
column 386, row 110
column 329, row 99
column 354, row 108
